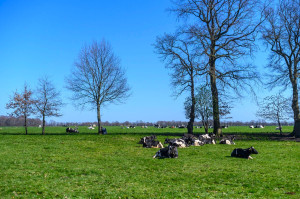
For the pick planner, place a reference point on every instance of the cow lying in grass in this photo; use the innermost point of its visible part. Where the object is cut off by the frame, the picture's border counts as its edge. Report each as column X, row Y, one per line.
column 228, row 140
column 177, row 142
column 167, row 152
column 243, row 153
column 207, row 138
column 191, row 139
column 70, row 130
column 150, row 142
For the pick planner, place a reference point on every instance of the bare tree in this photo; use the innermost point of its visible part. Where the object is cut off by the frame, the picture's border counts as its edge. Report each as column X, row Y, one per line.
column 275, row 108
column 97, row 78
column 48, row 101
column 282, row 34
column 225, row 31
column 181, row 58
column 22, row 104
column 204, row 106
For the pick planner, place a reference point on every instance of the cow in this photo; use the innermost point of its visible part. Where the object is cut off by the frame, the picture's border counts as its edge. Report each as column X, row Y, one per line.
column 103, row 130
column 150, row 142
column 243, row 153
column 167, row 152
column 176, row 142
column 259, row 126
column 207, row 138
column 70, row 130
column 251, row 127
column 228, row 140
column 189, row 139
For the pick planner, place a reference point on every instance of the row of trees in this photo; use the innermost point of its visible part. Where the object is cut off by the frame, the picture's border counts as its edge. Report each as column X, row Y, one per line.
column 46, row 102
column 96, row 80
column 216, row 40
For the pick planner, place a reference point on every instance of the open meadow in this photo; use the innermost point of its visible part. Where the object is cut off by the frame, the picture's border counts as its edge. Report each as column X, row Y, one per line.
column 87, row 165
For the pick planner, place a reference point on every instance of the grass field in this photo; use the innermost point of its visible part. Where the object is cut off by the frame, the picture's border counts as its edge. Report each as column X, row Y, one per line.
column 87, row 165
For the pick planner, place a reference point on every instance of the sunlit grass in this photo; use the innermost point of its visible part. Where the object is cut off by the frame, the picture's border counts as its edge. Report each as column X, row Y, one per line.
column 87, row 165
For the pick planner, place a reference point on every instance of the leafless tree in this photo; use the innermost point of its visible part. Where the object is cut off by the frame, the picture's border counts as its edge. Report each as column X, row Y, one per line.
column 48, row 101
column 225, row 31
column 275, row 108
column 22, row 104
column 97, row 78
column 181, row 58
column 204, row 106
column 282, row 35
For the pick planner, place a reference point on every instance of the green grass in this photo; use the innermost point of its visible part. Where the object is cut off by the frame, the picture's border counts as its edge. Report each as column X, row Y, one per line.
column 87, row 165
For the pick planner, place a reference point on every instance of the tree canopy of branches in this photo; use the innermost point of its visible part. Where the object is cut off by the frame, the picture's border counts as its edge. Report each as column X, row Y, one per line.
column 97, row 78
column 22, row 105
column 275, row 108
column 282, row 35
column 225, row 31
column 48, row 101
column 181, row 58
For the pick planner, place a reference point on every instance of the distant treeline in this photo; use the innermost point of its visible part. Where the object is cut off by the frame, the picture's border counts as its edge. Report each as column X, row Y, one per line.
column 18, row 121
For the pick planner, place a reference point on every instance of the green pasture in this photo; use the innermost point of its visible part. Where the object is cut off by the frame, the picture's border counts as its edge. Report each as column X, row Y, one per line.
column 87, row 165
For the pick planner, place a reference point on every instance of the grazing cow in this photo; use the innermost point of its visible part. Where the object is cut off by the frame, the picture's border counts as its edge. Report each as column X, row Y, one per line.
column 243, row 153
column 150, row 142
column 251, row 127
column 176, row 142
column 167, row 152
column 70, row 130
column 133, row 127
column 228, row 140
column 225, row 127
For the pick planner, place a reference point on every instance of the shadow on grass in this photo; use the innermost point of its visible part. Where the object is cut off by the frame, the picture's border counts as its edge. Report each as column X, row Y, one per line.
column 238, row 135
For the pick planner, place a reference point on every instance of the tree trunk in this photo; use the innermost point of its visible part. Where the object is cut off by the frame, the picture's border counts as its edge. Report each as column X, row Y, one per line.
column 190, row 126
column 295, row 107
column 99, row 119
column 279, row 124
column 25, row 125
column 215, row 98
column 43, row 125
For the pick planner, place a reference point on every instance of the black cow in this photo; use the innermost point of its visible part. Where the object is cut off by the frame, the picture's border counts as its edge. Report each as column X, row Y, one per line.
column 244, row 153
column 167, row 152
column 103, row 130
column 70, row 130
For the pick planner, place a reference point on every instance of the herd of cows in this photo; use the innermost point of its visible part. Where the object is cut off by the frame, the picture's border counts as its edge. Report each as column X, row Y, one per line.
column 191, row 140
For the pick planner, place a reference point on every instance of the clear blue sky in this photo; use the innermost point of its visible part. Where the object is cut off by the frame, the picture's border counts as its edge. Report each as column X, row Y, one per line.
column 40, row 38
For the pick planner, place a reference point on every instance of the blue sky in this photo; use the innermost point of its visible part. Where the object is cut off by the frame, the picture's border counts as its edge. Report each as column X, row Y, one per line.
column 39, row 38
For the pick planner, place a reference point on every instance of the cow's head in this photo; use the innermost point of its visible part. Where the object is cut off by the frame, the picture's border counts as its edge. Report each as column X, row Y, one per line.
column 172, row 151
column 253, row 150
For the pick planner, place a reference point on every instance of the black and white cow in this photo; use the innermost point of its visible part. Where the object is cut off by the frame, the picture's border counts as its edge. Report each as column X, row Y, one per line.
column 167, row 152
column 207, row 138
column 178, row 142
column 71, row 130
column 191, row 139
column 228, row 140
column 150, row 142
column 243, row 153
